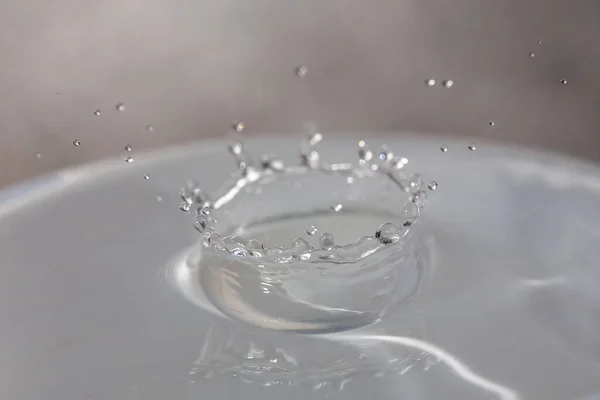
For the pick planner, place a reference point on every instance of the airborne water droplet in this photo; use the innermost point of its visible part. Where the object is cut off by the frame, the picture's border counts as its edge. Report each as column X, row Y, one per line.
column 444, row 149
column 563, row 81
column 432, row 185
column 147, row 176
column 311, row 230
column 337, row 207
column 128, row 148
column 128, row 159
column 120, row 107
column 158, row 198
column 472, row 147
column 150, row 128
column 239, row 126
column 185, row 207
column 97, row 113
column 492, row 123
column 430, row 82
column 448, row 83
column 326, row 241
column 38, row 155
column 532, row 54
column 76, row 142
column 301, row 71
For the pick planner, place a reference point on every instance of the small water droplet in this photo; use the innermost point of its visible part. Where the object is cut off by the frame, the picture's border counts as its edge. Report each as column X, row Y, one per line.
column 539, row 42
column 301, row 71
column 444, row 149
column 239, row 126
column 563, row 81
column 430, row 82
column 419, row 198
column 185, row 207
column 315, row 139
column 147, row 176
column 432, row 185
column 58, row 93
column 492, row 123
column 326, row 241
column 236, row 148
column 128, row 159
column 158, row 198
column 120, row 107
column 472, row 147
column 301, row 248
column 448, row 83
column 532, row 54
column 97, row 113
column 38, row 155
column 350, row 180
column 76, row 142
column 337, row 207
column 311, row 230
column 128, row 148
column 150, row 128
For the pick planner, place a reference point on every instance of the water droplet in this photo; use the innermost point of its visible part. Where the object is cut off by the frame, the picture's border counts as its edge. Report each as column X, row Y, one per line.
column 430, row 82
column 419, row 198
column 563, row 81
column 38, row 155
column 128, row 159
column 432, row 185
column 539, row 42
column 444, row 149
column 128, row 148
column 448, row 83
column 76, row 142
column 386, row 154
column 239, row 126
column 236, row 148
column 364, row 154
column 97, row 113
column 301, row 71
column 492, row 123
column 337, row 207
column 532, row 54
column 387, row 233
column 311, row 230
column 326, row 241
column 315, row 139
column 158, row 198
column 147, row 176
column 275, row 164
column 472, row 147
column 58, row 93
column 120, row 107
column 350, row 180
column 185, row 207
column 301, row 249
column 150, row 128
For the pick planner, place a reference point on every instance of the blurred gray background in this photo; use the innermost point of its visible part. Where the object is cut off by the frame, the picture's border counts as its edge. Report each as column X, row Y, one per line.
column 190, row 68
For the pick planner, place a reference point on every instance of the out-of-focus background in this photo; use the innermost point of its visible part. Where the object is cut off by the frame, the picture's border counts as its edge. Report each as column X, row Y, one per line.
column 190, row 68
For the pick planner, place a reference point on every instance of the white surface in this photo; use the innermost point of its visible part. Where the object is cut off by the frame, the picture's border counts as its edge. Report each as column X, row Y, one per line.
column 86, row 311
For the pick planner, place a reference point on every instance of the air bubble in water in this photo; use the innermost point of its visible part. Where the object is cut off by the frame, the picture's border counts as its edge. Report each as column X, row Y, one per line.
column 563, row 81
column 150, row 128
column 128, row 148
column 147, row 176
column 492, row 123
column 239, row 126
column 326, row 241
column 311, row 230
column 337, row 207
column 472, row 147
column 185, row 207
column 97, row 113
column 448, row 83
column 432, row 185
column 76, row 142
column 120, row 107
column 444, row 149
column 301, row 71
column 128, row 159
column 430, row 82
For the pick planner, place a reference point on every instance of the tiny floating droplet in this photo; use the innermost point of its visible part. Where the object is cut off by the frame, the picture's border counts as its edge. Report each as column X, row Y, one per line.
column 147, row 176
column 97, row 113
column 472, row 147
column 444, row 149
column 430, row 82
column 150, row 128
column 38, row 155
column 563, row 81
column 76, row 142
column 185, row 207
column 432, row 185
column 350, row 180
column 158, row 198
column 128, row 148
column 239, row 126
column 236, row 148
column 58, row 93
column 311, row 230
column 492, row 123
column 301, row 71
column 337, row 207
column 120, row 107
column 532, row 54
column 128, row 159
column 326, row 241
column 448, row 83
column 539, row 42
